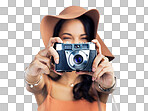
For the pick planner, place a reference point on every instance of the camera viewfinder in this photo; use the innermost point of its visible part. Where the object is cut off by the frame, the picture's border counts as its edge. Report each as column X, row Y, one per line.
column 85, row 46
column 68, row 47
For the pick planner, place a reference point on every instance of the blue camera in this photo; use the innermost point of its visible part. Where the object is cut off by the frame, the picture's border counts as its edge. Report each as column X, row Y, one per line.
column 75, row 57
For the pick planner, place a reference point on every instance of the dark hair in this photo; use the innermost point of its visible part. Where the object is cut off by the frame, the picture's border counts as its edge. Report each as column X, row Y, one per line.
column 80, row 90
column 87, row 23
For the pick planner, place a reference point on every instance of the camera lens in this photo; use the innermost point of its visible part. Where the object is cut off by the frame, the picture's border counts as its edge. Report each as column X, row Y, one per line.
column 78, row 59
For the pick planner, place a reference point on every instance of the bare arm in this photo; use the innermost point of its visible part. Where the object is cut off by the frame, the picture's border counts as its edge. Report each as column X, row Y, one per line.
column 39, row 91
column 104, row 95
column 41, row 66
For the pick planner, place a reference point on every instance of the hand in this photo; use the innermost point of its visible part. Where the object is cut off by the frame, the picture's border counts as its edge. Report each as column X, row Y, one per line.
column 102, row 69
column 41, row 63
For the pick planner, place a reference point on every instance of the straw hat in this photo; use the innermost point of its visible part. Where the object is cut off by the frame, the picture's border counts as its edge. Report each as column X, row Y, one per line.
column 49, row 21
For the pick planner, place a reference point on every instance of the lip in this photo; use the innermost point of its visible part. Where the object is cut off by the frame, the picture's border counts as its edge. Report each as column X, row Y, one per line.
column 52, row 68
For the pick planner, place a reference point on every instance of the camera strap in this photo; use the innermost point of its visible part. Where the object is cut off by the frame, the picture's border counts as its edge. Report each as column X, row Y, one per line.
column 114, row 102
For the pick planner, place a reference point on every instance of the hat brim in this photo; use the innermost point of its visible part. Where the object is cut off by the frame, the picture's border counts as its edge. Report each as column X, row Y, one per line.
column 49, row 21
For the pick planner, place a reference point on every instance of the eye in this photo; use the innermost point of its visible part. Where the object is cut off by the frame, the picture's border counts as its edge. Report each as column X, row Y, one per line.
column 84, row 38
column 66, row 38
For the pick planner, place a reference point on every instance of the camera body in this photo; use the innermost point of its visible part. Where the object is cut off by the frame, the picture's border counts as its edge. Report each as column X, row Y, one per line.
column 75, row 57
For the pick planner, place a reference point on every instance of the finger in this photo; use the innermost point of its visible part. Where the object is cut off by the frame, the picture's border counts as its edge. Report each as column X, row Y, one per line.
column 100, row 68
column 96, row 61
column 41, row 67
column 106, row 70
column 54, row 53
column 98, row 46
column 44, row 52
column 53, row 40
column 43, row 60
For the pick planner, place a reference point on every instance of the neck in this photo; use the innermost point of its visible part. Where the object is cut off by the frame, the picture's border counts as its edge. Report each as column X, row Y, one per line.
column 69, row 78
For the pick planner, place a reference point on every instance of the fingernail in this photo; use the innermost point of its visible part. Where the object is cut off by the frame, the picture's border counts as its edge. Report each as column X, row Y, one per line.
column 93, row 69
column 56, row 61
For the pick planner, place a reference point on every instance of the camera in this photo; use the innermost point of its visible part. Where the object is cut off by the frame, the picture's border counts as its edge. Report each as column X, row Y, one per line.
column 75, row 57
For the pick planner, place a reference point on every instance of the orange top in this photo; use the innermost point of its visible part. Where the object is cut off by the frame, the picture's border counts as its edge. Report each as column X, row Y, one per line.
column 51, row 104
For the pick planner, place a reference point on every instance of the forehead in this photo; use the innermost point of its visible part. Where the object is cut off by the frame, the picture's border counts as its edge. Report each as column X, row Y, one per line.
column 72, row 26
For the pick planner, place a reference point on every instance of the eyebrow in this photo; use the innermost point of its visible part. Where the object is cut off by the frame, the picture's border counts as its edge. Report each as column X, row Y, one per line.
column 71, row 35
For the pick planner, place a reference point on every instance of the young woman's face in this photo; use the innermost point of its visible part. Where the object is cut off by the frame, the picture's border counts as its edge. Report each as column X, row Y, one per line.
column 73, row 31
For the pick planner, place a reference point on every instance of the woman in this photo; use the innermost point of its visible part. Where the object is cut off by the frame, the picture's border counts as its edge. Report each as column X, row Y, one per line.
column 70, row 91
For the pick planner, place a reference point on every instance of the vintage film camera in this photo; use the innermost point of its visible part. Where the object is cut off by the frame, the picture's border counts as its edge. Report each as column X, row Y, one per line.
column 75, row 57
